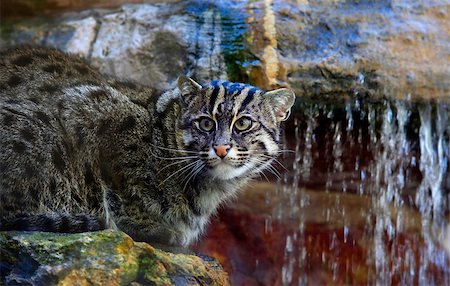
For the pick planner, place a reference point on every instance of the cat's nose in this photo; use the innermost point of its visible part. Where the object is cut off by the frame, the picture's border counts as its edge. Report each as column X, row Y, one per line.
column 221, row 150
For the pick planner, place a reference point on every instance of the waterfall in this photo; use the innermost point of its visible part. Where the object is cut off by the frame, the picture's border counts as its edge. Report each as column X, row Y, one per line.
column 392, row 153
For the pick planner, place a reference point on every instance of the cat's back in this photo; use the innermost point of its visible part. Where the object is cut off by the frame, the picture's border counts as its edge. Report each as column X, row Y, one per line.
column 41, row 71
column 50, row 81
column 38, row 94
column 56, row 111
column 34, row 82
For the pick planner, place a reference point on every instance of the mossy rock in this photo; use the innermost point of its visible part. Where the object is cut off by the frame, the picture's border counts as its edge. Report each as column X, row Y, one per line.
column 98, row 258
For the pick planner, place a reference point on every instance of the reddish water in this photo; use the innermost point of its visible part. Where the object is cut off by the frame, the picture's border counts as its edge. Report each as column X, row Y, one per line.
column 364, row 201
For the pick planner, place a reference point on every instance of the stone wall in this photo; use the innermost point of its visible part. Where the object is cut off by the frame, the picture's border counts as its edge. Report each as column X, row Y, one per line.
column 315, row 47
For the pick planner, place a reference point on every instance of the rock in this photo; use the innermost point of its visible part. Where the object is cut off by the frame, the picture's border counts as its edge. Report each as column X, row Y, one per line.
column 317, row 48
column 98, row 258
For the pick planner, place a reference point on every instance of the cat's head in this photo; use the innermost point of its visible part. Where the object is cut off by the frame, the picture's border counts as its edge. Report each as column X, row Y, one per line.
column 234, row 127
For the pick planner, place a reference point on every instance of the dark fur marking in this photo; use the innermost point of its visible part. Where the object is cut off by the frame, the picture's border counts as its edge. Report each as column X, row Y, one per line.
column 271, row 132
column 23, row 60
column 146, row 139
column 248, row 98
column 65, row 225
column 163, row 202
column 12, row 101
column 14, row 80
column 50, row 88
column 82, row 69
column 43, row 117
column 19, row 147
column 34, row 100
column 41, row 55
column 52, row 68
column 142, row 103
column 132, row 147
column 30, row 171
column 129, row 84
column 8, row 119
column 80, row 135
column 99, row 94
column 60, row 104
column 128, row 123
column 34, row 194
column 262, row 147
column 105, row 173
column 58, row 159
column 104, row 126
column 69, row 148
column 89, row 177
column 52, row 185
column 84, row 223
column 214, row 95
column 27, row 134
column 48, row 224
column 20, row 224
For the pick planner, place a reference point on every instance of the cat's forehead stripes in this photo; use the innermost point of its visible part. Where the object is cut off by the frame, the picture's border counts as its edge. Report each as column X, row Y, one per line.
column 237, row 95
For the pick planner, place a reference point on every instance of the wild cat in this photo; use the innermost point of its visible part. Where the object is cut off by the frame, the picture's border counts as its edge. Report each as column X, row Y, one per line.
column 80, row 151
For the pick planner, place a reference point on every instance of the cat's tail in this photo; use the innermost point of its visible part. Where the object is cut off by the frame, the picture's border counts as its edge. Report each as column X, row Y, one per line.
column 51, row 223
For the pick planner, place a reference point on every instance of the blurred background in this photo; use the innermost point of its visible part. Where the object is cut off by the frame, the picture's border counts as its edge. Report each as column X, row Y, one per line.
column 363, row 197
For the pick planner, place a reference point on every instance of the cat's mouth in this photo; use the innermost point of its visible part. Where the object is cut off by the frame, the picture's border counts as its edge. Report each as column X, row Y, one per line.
column 226, row 169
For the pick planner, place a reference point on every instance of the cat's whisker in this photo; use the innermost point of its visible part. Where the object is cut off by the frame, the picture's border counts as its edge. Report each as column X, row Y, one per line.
column 195, row 172
column 258, row 171
column 270, row 168
column 172, row 149
column 175, row 158
column 276, row 161
column 274, row 171
column 171, row 164
column 178, row 172
column 267, row 156
column 191, row 173
column 285, row 151
column 257, row 151
column 261, row 172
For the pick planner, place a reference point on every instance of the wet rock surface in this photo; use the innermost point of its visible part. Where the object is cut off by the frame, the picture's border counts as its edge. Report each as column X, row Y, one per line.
column 320, row 48
column 98, row 258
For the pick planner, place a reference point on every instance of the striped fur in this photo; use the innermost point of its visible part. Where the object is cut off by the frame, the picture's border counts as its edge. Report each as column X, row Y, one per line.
column 81, row 152
column 225, row 103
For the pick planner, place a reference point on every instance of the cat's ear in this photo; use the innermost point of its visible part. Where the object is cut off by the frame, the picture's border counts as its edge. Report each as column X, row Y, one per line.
column 281, row 100
column 188, row 88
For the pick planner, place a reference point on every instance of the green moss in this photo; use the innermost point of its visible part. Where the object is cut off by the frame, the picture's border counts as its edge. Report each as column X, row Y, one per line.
column 235, row 46
column 99, row 257
column 234, row 32
column 150, row 270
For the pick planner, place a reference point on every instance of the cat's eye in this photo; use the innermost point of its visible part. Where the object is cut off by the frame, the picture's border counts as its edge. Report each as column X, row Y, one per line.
column 243, row 123
column 206, row 124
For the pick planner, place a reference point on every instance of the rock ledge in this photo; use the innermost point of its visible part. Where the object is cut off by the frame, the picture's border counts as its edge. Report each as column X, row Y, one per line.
column 98, row 258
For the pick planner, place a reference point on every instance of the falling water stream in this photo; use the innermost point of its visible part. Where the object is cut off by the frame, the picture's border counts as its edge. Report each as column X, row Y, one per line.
column 391, row 154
